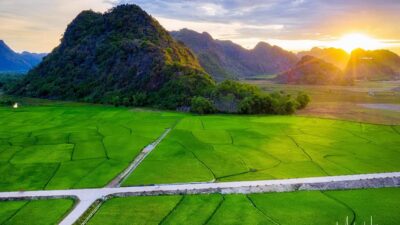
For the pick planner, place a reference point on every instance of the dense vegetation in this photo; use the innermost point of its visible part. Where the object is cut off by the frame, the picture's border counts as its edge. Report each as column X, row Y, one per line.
column 121, row 57
column 233, row 97
column 300, row 208
column 9, row 80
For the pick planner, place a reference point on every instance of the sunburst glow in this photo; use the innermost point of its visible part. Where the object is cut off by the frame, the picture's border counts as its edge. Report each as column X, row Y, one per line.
column 350, row 42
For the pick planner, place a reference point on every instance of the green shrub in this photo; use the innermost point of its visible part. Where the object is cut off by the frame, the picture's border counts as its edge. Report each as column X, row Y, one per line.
column 290, row 106
column 303, row 99
column 256, row 104
column 201, row 105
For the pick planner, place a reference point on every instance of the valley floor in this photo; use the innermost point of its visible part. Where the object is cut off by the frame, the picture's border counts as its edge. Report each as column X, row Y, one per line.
column 61, row 146
column 346, row 102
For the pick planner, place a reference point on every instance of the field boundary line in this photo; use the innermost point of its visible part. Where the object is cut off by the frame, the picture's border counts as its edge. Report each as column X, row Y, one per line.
column 15, row 213
column 340, row 202
column 172, row 210
column 259, row 210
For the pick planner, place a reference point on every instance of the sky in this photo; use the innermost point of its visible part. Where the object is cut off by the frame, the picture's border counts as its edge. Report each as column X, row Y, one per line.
column 38, row 25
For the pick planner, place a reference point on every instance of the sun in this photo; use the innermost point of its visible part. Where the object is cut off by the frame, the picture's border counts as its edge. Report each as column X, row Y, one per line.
column 352, row 41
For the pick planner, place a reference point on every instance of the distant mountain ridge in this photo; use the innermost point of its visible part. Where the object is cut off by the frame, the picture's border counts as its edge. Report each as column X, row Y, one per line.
column 314, row 71
column 335, row 56
column 225, row 59
column 373, row 65
column 11, row 61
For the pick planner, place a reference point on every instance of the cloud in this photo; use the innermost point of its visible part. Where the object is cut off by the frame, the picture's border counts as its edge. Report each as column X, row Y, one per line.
column 38, row 25
column 301, row 18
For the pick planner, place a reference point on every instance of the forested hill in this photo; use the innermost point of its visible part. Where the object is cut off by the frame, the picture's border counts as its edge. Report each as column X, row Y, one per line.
column 121, row 56
column 225, row 59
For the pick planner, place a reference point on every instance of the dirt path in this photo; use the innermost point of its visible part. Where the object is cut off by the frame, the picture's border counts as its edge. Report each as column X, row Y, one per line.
column 145, row 152
column 89, row 196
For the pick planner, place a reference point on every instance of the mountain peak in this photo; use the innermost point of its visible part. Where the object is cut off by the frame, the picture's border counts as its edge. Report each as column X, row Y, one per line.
column 114, row 57
column 373, row 65
column 263, row 45
column 315, row 71
column 5, row 47
column 226, row 60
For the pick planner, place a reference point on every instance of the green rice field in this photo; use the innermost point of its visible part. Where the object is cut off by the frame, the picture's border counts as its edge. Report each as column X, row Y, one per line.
column 237, row 148
column 86, row 146
column 300, row 208
column 61, row 147
column 38, row 212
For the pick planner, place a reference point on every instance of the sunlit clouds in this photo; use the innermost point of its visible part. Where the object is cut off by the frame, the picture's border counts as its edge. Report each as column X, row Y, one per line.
column 292, row 24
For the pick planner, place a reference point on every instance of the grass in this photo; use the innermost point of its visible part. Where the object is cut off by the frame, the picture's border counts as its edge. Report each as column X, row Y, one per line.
column 236, row 148
column 300, row 208
column 38, row 212
column 61, row 146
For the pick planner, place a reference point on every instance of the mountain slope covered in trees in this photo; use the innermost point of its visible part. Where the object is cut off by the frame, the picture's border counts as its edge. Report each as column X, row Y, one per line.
column 225, row 59
column 121, row 56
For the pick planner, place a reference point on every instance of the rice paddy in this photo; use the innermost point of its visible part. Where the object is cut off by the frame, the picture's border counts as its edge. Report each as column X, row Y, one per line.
column 237, row 148
column 38, row 212
column 300, row 208
column 61, row 147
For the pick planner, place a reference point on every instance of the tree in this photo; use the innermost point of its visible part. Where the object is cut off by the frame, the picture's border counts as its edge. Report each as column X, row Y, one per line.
column 202, row 105
column 256, row 104
column 303, row 99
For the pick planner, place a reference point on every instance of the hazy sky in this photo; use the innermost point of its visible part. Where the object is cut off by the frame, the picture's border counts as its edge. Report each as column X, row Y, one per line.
column 37, row 25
